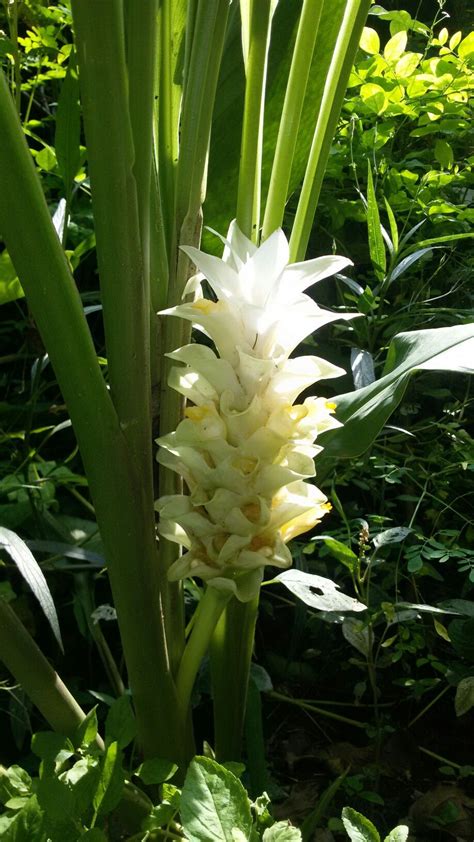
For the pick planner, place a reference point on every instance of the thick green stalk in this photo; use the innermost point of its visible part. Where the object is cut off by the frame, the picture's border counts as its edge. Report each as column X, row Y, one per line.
column 231, row 655
column 99, row 30
column 141, row 30
column 347, row 41
column 249, row 188
column 167, row 110
column 291, row 115
column 115, row 481
column 42, row 684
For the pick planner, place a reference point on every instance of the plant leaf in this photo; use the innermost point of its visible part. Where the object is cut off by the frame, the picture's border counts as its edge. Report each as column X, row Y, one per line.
column 33, row 575
column 374, row 228
column 213, row 803
column 464, row 699
column 359, row 829
column 318, row 592
column 365, row 411
column 357, row 635
column 398, row 834
column 281, row 832
column 68, row 127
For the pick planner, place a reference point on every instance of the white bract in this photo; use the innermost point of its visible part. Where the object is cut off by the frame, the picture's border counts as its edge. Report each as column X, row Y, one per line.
column 244, row 448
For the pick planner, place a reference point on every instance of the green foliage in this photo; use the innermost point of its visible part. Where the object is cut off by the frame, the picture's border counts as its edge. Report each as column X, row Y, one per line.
column 361, row 829
column 408, row 109
column 77, row 795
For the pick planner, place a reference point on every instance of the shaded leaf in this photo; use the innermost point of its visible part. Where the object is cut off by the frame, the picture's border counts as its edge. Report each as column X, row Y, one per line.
column 357, row 634
column 464, row 699
column 33, row 575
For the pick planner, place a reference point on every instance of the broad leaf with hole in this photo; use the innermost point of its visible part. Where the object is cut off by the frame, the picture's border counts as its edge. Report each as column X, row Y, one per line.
column 318, row 592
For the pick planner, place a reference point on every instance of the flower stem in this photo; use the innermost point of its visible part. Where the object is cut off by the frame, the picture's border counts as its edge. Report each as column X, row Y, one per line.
column 231, row 655
column 208, row 613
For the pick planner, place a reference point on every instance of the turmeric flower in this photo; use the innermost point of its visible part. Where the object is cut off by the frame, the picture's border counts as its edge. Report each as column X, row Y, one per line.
column 244, row 447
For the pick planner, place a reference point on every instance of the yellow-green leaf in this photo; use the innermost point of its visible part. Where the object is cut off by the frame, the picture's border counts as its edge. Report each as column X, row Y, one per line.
column 374, row 97
column 370, row 41
column 395, row 48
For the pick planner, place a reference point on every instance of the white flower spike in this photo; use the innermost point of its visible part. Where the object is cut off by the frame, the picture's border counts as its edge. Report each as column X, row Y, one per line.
column 244, row 448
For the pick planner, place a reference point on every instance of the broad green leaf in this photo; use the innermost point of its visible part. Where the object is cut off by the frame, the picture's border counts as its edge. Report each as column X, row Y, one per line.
column 365, row 411
column 374, row 97
column 83, row 778
column 50, row 746
column 10, row 287
column 395, row 47
column 213, row 803
column 111, row 781
column 464, row 699
column 357, row 634
column 68, row 127
column 374, row 228
column 460, row 606
column 86, row 731
column 359, row 829
column 282, row 832
column 156, row 771
column 398, row 834
column 318, row 592
column 466, row 47
column 370, row 41
column 27, row 825
column 14, row 782
column 443, row 152
column 33, row 575
column 55, row 798
column 339, row 550
column 46, row 158
column 407, row 64
column 120, row 725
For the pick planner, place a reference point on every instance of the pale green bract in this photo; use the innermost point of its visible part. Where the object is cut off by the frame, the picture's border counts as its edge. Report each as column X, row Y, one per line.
column 245, row 448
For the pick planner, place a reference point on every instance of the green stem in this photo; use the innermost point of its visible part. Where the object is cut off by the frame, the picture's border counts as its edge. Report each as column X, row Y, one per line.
column 249, row 188
column 115, row 479
column 209, row 611
column 429, row 705
column 100, row 41
column 141, row 31
column 30, row 668
column 231, row 656
column 307, row 706
column 12, row 16
column 291, row 115
column 345, row 48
